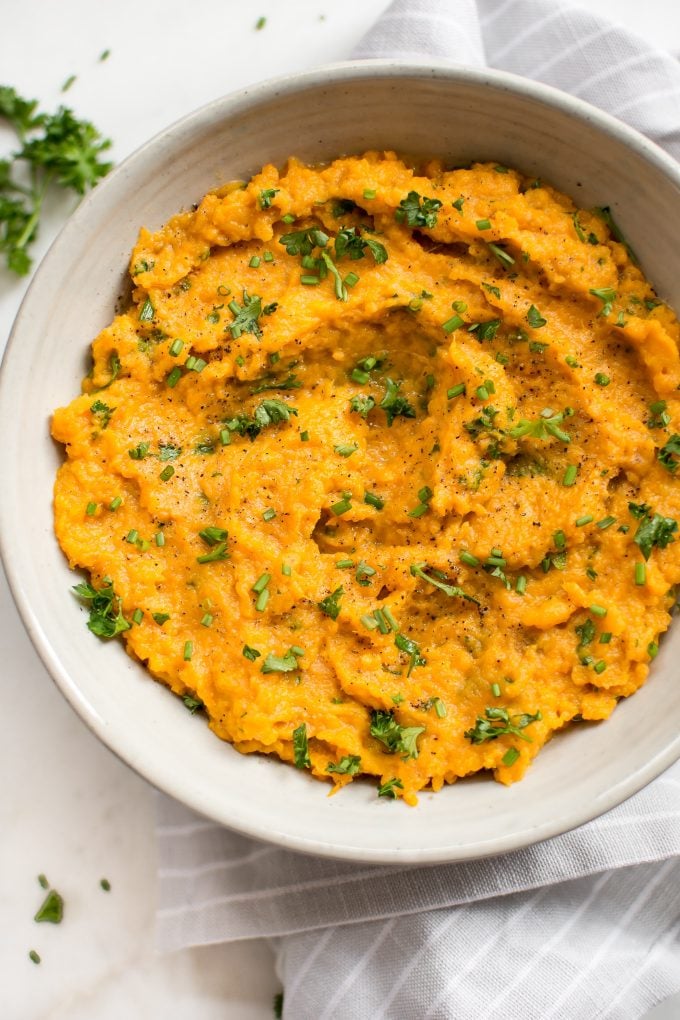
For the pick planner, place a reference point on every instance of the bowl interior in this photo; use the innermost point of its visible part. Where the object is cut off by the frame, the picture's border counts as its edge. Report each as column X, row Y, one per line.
column 459, row 115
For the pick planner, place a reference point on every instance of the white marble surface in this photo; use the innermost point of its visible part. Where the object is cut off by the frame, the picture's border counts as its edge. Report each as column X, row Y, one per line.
column 68, row 808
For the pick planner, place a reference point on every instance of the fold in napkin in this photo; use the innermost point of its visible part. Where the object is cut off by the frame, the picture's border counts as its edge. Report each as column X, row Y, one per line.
column 583, row 926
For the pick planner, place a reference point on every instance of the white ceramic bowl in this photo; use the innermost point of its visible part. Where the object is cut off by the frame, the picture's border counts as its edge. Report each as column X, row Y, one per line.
column 456, row 113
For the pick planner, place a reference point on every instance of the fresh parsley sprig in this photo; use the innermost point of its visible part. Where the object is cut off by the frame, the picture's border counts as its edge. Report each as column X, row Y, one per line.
column 54, row 148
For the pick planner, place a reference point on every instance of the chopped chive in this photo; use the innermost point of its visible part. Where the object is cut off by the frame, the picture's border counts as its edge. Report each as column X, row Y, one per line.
column 455, row 322
column 369, row 193
column 160, row 618
column 33, row 956
column 605, row 523
column 167, row 473
column 456, row 391
column 357, row 375
column 495, row 561
column 600, row 666
column 382, row 622
column 137, row 616
column 351, row 280
column 571, row 361
column 262, row 600
column 601, row 379
column 269, row 514
column 188, row 650
column 605, row 637
column 344, row 563
column 369, row 622
column 268, row 257
column 176, row 347
column 342, row 506
column 91, row 509
column 372, row 500
column 132, row 536
column 640, row 573
column 483, row 224
column 652, row 649
column 261, row 583
column 225, row 437
column 439, row 707
column 286, row 569
column 254, row 262
column 467, row 558
column 503, row 257
column 387, row 613
column 304, row 437
column 216, row 554
column 42, row 882
column 570, row 475
column 310, row 281
column 581, row 521
column 308, row 262
column 510, row 756
column 174, row 377
column 160, row 538
column 207, row 619
column 596, row 610
column 115, row 503
column 501, row 358
column 419, row 510
column 521, row 585
column 482, row 392
column 105, row 885
column 496, row 690
column 288, row 218
column 560, row 539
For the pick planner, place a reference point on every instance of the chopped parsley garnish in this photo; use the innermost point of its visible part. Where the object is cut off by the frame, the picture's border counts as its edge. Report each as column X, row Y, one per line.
column 362, row 405
column 246, row 316
column 604, row 212
column 535, row 319
column 396, row 738
column 347, row 766
column 654, row 531
column 301, row 748
column 102, row 413
column 265, row 197
column 55, row 149
column 485, row 330
column 669, row 452
column 492, row 290
column 166, row 451
column 412, row 649
column 546, row 426
column 271, row 382
column 250, row 653
column 51, row 909
column 161, row 618
column 330, row 605
column 439, row 581
column 497, row 722
column 660, row 416
column 394, row 404
column 106, row 615
column 415, row 211
column 346, row 449
column 586, row 632
column 192, row 703
column 607, row 295
column 139, row 452
column 269, row 412
column 303, row 242
column 388, row 788
column 351, row 243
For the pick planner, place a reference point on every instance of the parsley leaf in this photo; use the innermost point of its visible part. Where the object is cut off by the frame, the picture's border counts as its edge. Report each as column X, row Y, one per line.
column 535, row 319
column 51, row 909
column 246, row 316
column 280, row 664
column 408, row 645
column 106, row 615
column 362, row 405
column 415, row 211
column 669, row 452
column 546, row 426
column 102, row 413
column 57, row 148
column 350, row 242
column 654, row 531
column 388, row 789
column 301, row 748
column 269, row 412
column 347, row 766
column 331, row 604
column 303, row 242
column 265, row 197
column 497, row 722
column 387, row 730
column 192, row 703
column 395, row 405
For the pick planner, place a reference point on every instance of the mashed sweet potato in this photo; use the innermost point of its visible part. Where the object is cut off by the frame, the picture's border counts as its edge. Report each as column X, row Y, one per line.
column 380, row 468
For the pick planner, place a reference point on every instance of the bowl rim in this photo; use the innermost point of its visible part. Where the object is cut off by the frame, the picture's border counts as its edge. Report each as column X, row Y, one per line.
column 218, row 110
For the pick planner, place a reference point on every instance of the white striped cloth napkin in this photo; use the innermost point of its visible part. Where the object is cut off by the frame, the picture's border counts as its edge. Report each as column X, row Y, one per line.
column 580, row 927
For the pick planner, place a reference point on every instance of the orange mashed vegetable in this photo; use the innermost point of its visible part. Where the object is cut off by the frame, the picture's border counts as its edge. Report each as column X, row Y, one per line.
column 413, row 433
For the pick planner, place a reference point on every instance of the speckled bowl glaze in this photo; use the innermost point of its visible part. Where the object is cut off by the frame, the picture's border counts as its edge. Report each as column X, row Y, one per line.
column 459, row 114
